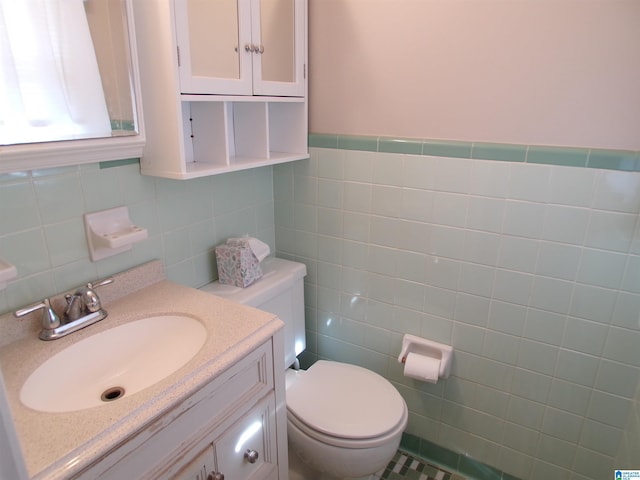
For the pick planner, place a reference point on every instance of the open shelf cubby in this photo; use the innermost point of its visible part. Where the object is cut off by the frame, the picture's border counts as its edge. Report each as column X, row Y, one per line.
column 234, row 135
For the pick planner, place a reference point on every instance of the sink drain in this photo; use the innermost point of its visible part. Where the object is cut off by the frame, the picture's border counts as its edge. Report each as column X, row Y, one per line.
column 111, row 394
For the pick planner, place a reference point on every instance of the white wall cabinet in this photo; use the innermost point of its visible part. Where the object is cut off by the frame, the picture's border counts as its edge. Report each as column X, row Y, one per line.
column 224, row 84
column 241, row 47
column 230, row 427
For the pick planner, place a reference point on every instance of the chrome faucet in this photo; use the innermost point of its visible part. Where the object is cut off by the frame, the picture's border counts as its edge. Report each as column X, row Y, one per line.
column 84, row 301
column 50, row 319
column 83, row 309
column 74, row 307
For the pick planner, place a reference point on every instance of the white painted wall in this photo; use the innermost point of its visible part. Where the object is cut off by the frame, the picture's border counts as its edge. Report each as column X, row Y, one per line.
column 547, row 72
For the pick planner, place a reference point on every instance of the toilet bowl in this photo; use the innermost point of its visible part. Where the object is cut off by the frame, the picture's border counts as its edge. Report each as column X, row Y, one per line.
column 343, row 421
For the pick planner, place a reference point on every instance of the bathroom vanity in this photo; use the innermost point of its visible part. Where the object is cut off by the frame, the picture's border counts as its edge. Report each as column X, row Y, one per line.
column 221, row 415
column 226, row 428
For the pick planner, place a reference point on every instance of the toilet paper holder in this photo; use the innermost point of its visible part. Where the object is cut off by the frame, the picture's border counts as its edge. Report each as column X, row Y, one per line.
column 422, row 346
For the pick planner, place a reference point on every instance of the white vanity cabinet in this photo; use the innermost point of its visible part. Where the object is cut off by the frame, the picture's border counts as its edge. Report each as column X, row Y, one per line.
column 224, row 84
column 228, row 429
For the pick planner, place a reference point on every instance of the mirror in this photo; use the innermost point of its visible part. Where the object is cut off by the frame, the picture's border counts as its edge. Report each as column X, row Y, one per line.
column 277, row 29
column 213, row 38
column 217, row 43
column 67, row 82
column 108, row 25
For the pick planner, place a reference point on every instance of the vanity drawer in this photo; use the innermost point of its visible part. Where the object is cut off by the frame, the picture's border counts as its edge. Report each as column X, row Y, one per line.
column 247, row 450
column 244, row 451
column 166, row 442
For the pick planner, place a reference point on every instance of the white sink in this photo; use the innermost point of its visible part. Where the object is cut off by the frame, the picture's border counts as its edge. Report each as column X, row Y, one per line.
column 113, row 364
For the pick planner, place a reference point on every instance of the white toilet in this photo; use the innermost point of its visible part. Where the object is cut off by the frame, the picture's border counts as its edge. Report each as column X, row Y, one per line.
column 344, row 421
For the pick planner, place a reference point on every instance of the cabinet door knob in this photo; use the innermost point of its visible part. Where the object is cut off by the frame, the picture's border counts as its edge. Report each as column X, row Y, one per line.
column 215, row 476
column 251, row 456
column 250, row 47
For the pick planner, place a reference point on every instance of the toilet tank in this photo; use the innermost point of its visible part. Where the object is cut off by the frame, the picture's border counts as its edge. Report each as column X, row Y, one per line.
column 280, row 291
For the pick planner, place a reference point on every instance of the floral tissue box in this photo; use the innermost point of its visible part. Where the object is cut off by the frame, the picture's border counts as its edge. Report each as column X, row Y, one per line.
column 237, row 264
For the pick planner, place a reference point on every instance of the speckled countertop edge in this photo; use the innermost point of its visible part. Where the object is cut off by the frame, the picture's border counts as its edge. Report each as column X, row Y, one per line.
column 57, row 445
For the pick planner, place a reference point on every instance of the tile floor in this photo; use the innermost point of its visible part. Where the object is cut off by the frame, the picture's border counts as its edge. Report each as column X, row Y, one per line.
column 404, row 466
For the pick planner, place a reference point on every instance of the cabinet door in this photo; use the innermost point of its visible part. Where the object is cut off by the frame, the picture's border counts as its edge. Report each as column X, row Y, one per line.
column 211, row 37
column 279, row 47
column 241, row 47
column 248, row 449
column 201, row 467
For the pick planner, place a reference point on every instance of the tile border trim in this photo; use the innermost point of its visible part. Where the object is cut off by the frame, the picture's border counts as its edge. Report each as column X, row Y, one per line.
column 446, row 458
column 622, row 160
column 119, row 163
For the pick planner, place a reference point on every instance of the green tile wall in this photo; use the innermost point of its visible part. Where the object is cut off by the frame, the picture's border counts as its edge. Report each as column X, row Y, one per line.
column 42, row 231
column 527, row 264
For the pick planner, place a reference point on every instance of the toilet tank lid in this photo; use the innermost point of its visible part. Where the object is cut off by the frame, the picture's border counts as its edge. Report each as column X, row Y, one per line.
column 278, row 275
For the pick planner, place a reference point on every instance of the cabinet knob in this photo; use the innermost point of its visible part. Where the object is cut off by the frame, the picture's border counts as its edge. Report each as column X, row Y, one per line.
column 215, row 476
column 250, row 47
column 251, row 456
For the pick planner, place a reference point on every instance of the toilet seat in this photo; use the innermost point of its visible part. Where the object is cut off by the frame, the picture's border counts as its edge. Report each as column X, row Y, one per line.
column 345, row 405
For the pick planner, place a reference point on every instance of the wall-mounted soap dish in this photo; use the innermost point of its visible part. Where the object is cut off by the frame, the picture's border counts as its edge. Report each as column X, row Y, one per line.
column 7, row 272
column 110, row 232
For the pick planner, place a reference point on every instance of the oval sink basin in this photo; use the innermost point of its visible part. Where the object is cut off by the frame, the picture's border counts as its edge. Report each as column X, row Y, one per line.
column 113, row 364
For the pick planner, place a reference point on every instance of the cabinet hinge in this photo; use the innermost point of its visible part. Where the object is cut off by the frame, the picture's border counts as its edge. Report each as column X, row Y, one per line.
column 178, row 53
column 304, row 71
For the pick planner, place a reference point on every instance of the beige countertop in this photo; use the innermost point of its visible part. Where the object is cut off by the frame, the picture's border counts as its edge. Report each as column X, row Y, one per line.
column 57, row 445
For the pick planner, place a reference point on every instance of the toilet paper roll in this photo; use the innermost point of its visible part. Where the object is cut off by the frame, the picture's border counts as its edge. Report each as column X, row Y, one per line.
column 422, row 367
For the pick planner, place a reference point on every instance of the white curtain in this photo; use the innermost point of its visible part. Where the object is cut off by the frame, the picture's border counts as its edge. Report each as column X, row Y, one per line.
column 50, row 87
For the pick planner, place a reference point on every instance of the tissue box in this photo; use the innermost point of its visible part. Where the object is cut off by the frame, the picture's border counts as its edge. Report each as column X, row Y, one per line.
column 237, row 264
